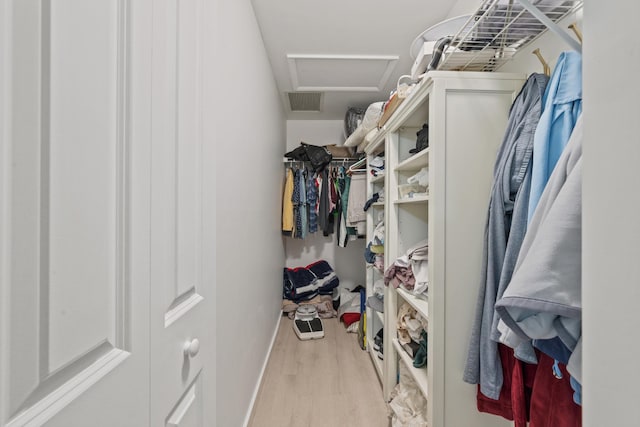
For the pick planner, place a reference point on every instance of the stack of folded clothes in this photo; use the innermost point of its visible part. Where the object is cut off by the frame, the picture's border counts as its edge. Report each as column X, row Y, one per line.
column 304, row 283
column 376, row 165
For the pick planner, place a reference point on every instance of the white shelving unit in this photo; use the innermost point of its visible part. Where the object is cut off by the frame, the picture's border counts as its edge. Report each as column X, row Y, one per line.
column 412, row 200
column 467, row 114
column 375, row 319
column 419, row 374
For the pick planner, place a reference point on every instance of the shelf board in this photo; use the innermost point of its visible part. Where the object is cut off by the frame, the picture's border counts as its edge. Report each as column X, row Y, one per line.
column 377, row 179
column 377, row 142
column 419, row 374
column 377, row 204
column 415, row 162
column 416, row 199
column 421, row 305
column 377, row 363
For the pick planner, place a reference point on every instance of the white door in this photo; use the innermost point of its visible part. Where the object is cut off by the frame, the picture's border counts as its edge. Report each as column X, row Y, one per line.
column 179, row 302
column 74, row 212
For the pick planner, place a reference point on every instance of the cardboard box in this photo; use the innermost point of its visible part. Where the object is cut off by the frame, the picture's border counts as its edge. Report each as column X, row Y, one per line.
column 392, row 105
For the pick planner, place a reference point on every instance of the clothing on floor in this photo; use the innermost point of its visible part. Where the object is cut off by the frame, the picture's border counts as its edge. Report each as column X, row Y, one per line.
column 304, row 283
column 322, row 303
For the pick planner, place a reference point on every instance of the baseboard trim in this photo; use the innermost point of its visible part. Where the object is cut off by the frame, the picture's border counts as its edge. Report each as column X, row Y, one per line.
column 264, row 368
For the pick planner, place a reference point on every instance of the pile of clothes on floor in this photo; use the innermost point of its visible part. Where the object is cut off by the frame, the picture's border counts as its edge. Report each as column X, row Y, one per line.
column 313, row 284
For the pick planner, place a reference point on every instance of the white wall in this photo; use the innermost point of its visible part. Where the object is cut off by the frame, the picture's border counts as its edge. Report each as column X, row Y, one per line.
column 611, row 229
column 348, row 263
column 209, row 135
column 249, row 141
column 316, row 132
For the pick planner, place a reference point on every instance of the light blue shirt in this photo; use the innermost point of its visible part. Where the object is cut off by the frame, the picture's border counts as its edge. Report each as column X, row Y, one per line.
column 562, row 105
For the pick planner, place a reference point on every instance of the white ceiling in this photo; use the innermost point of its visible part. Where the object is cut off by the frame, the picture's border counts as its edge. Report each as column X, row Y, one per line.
column 353, row 51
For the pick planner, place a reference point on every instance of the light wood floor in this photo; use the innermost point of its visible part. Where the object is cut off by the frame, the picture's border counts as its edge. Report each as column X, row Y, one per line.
column 328, row 382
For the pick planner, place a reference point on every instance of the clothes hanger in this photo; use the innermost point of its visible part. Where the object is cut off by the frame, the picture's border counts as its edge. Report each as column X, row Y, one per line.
column 354, row 168
column 545, row 67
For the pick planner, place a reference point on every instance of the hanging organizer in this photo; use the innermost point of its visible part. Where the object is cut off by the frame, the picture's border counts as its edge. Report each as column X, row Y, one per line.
column 500, row 28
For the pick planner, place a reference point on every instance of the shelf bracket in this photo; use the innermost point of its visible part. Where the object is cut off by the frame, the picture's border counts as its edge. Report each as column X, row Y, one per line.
column 575, row 45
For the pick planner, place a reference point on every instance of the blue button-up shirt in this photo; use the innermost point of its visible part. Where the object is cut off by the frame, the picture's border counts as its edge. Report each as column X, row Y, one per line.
column 562, row 106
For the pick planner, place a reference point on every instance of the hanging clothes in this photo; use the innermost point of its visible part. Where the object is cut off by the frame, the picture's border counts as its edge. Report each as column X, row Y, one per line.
column 341, row 186
column 312, row 202
column 295, row 198
column 562, row 107
column 333, row 200
column 551, row 397
column 504, row 233
column 357, row 200
column 287, row 204
column 543, row 300
column 303, row 207
column 325, row 218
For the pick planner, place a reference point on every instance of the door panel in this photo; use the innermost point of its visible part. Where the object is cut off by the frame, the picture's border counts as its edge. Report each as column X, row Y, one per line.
column 81, row 166
column 188, row 411
column 178, row 308
column 74, row 214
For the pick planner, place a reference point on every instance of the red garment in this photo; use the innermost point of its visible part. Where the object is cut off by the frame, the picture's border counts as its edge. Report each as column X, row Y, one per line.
column 552, row 402
column 531, row 392
column 349, row 318
column 515, row 395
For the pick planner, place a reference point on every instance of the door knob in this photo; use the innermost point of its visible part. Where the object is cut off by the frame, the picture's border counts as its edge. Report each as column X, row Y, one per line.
column 191, row 348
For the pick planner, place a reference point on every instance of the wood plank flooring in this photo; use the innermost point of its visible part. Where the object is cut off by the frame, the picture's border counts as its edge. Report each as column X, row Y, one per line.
column 328, row 382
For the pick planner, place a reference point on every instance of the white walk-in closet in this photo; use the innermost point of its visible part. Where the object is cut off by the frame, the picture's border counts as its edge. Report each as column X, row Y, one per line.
column 153, row 262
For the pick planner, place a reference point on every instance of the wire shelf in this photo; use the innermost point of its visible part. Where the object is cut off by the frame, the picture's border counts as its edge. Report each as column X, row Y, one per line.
column 499, row 28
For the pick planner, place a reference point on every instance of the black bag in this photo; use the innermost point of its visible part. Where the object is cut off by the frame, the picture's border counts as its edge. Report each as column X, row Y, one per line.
column 422, row 141
column 319, row 157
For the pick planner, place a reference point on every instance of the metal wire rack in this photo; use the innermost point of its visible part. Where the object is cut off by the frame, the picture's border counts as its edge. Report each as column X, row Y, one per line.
column 499, row 28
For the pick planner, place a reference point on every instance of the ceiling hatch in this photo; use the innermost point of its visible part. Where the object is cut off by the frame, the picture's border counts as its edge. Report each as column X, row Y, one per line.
column 304, row 101
column 340, row 73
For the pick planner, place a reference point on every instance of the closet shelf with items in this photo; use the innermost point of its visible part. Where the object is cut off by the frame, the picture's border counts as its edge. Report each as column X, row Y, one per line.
column 376, row 177
column 437, row 147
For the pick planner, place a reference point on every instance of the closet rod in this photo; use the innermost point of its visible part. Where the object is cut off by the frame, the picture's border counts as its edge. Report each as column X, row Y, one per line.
column 334, row 160
column 551, row 25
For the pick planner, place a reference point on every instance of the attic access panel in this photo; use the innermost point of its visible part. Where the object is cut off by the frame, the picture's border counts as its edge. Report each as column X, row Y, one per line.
column 340, row 73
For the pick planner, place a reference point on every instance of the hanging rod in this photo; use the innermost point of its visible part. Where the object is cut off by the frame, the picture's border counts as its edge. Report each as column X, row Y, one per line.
column 335, row 161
